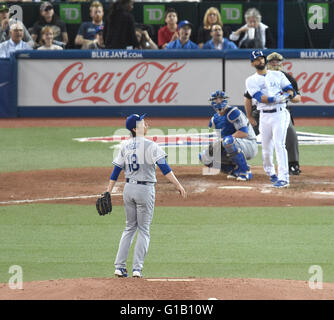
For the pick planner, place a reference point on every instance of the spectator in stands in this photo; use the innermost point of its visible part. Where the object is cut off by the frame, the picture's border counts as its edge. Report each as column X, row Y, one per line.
column 15, row 42
column 144, row 40
column 183, row 42
column 217, row 41
column 6, row 22
column 168, row 33
column 211, row 17
column 49, row 18
column 254, row 34
column 47, row 40
column 98, row 42
column 87, row 31
column 119, row 27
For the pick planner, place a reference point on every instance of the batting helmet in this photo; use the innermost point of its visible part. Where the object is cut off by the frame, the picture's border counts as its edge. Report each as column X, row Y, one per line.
column 218, row 94
column 257, row 54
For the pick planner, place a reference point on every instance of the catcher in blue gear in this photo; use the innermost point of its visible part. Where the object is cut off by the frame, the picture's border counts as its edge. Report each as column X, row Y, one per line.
column 236, row 141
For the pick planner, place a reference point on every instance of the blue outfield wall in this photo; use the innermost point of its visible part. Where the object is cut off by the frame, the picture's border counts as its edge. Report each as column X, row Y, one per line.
column 9, row 83
column 7, row 109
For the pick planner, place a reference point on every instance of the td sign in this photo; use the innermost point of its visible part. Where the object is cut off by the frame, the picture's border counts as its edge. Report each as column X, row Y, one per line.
column 154, row 14
column 70, row 13
column 231, row 13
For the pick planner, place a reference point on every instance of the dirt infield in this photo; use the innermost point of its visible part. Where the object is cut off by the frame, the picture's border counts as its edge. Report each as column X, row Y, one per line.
column 167, row 289
column 314, row 187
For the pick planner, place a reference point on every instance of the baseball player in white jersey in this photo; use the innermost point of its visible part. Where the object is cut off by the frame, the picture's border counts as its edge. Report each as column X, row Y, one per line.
column 138, row 158
column 271, row 89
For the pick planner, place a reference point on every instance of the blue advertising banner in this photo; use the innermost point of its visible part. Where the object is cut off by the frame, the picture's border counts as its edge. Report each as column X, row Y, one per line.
column 4, row 88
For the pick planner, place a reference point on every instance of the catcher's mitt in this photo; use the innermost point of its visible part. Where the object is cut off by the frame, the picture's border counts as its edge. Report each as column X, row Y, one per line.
column 103, row 204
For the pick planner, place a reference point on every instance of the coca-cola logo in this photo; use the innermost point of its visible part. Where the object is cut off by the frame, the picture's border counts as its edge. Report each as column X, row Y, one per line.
column 313, row 82
column 134, row 84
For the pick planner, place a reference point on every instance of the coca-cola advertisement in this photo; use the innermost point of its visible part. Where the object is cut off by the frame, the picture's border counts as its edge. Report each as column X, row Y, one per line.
column 88, row 82
column 315, row 80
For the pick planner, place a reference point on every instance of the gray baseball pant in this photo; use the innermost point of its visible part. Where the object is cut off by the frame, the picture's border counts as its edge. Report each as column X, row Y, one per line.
column 139, row 207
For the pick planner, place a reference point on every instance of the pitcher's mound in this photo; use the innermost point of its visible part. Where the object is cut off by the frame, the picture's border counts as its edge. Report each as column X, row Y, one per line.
column 168, row 289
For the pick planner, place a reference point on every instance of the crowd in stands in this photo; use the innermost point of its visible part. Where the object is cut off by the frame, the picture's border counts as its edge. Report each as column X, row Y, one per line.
column 117, row 29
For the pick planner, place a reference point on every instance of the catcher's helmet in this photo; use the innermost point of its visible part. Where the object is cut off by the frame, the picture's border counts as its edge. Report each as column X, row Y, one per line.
column 257, row 54
column 218, row 94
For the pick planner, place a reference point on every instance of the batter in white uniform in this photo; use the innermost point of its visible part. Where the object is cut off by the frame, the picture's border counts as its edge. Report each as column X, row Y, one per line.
column 138, row 158
column 271, row 89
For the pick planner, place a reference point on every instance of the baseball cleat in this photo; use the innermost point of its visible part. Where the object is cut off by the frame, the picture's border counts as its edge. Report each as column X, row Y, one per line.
column 273, row 178
column 281, row 184
column 244, row 176
column 137, row 273
column 121, row 273
column 231, row 176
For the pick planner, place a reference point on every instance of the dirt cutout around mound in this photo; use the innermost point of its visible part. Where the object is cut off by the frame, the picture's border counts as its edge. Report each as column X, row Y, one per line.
column 167, row 289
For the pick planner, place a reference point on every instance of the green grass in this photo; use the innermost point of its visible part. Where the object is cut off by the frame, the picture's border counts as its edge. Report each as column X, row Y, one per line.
column 63, row 241
column 322, row 130
column 52, row 148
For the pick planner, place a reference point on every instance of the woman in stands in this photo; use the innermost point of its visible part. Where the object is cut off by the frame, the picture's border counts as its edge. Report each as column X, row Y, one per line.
column 211, row 17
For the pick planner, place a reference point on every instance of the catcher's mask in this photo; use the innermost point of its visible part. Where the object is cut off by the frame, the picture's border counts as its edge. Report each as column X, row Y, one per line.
column 213, row 100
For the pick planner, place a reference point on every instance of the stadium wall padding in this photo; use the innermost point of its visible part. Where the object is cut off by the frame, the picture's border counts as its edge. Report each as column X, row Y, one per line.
column 212, row 70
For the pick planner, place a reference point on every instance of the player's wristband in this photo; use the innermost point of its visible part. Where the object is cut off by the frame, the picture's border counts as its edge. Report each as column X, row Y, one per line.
column 271, row 100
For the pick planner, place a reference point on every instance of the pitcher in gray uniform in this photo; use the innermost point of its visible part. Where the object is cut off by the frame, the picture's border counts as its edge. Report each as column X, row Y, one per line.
column 138, row 158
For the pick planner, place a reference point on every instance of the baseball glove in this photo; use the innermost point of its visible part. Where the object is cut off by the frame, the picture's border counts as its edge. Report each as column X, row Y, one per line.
column 103, row 204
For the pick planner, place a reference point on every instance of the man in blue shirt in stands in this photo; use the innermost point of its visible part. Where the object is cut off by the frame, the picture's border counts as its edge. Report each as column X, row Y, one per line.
column 15, row 42
column 218, row 42
column 183, row 42
column 87, row 30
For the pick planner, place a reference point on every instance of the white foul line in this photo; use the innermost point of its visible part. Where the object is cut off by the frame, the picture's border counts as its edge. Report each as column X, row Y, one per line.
column 236, row 187
column 53, row 199
column 324, row 193
column 173, row 280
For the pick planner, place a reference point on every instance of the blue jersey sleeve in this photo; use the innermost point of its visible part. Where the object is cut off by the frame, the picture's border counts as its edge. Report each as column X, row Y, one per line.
column 163, row 166
column 114, row 176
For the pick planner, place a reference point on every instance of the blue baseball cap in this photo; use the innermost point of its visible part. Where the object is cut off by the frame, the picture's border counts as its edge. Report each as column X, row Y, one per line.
column 184, row 23
column 256, row 54
column 131, row 120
